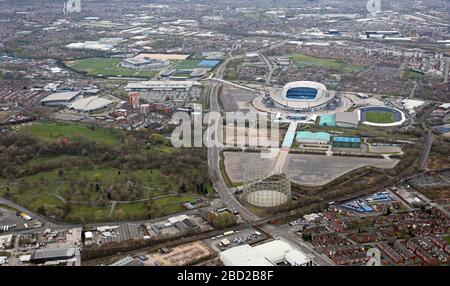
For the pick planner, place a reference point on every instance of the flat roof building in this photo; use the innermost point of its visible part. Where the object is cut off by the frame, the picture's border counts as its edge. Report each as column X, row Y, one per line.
column 63, row 98
column 51, row 254
column 327, row 120
column 145, row 63
column 272, row 253
column 347, row 119
column 350, row 142
column 160, row 85
column 307, row 137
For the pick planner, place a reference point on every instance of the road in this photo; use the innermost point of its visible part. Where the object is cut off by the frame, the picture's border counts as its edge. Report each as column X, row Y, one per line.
column 214, row 157
column 227, row 194
column 447, row 66
column 269, row 67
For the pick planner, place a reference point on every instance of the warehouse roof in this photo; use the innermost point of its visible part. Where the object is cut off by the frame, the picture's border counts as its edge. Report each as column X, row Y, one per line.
column 347, row 139
column 327, row 120
column 347, row 117
column 156, row 84
column 53, row 253
column 243, row 255
column 313, row 136
column 61, row 96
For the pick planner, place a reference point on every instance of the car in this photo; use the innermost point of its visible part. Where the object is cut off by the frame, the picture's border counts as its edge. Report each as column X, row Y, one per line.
column 142, row 257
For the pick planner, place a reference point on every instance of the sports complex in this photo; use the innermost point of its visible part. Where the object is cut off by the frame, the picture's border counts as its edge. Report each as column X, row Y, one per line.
column 303, row 96
column 381, row 116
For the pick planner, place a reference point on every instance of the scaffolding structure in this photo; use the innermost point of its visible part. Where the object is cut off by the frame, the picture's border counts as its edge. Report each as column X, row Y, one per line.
column 266, row 188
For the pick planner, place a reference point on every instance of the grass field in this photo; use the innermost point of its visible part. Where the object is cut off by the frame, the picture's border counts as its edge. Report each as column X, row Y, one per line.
column 186, row 64
column 412, row 75
column 55, row 131
column 379, row 117
column 105, row 67
column 305, row 61
column 42, row 189
column 80, row 188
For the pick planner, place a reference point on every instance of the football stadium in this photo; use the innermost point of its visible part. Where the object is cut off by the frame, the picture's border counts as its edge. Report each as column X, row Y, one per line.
column 381, row 116
column 303, row 96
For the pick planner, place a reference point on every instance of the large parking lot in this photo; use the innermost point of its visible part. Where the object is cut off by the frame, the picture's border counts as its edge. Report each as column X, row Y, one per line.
column 9, row 220
column 236, row 99
column 316, row 170
column 304, row 169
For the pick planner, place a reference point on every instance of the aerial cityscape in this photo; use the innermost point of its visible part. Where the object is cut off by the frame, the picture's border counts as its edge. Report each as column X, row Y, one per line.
column 224, row 133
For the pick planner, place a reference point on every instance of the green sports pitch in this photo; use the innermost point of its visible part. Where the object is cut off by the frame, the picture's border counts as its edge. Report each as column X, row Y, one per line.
column 379, row 117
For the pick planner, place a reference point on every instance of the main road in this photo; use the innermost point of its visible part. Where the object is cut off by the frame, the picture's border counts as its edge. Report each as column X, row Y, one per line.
column 227, row 194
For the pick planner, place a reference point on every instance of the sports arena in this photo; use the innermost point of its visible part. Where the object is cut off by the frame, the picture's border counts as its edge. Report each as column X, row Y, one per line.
column 303, row 96
column 381, row 116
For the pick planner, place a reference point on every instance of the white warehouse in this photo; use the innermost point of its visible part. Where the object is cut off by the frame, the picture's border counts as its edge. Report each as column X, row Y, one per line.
column 273, row 253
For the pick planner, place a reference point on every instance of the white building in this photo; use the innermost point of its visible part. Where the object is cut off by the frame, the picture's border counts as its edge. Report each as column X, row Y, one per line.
column 145, row 63
column 161, row 85
column 271, row 253
column 91, row 103
column 64, row 98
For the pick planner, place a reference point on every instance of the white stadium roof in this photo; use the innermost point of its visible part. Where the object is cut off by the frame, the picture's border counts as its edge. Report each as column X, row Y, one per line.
column 322, row 97
column 90, row 103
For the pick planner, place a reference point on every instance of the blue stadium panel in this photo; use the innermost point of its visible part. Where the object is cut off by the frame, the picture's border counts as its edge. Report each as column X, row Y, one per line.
column 347, row 139
column 301, row 93
column 208, row 63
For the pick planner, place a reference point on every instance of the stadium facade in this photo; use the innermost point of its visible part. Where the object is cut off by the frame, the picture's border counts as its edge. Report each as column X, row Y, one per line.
column 304, row 96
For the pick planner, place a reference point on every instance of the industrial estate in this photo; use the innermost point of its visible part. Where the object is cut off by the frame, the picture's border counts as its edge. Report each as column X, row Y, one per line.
column 352, row 155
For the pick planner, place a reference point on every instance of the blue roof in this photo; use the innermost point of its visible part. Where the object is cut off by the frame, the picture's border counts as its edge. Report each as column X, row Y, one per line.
column 208, row 63
column 347, row 139
column 302, row 93
column 307, row 135
column 327, row 120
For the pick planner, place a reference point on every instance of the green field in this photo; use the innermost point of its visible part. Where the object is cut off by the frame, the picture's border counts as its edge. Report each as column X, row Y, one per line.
column 56, row 131
column 379, row 117
column 76, row 180
column 303, row 61
column 186, row 64
column 41, row 189
column 413, row 75
column 105, row 67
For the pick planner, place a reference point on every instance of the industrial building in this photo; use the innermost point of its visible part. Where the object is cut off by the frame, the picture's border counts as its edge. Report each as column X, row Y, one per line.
column 53, row 254
column 63, row 98
column 307, row 137
column 91, row 103
column 160, row 85
column 273, row 253
column 347, row 142
column 347, row 119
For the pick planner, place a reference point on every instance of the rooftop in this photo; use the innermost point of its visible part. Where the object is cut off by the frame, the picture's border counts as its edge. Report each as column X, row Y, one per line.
column 61, row 96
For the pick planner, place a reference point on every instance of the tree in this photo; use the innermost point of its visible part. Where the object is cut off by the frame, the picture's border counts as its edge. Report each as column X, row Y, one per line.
column 224, row 220
column 306, row 236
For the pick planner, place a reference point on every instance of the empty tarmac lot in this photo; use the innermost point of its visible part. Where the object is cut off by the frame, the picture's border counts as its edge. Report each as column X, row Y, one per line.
column 316, row 170
column 237, row 162
column 303, row 169
column 233, row 98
